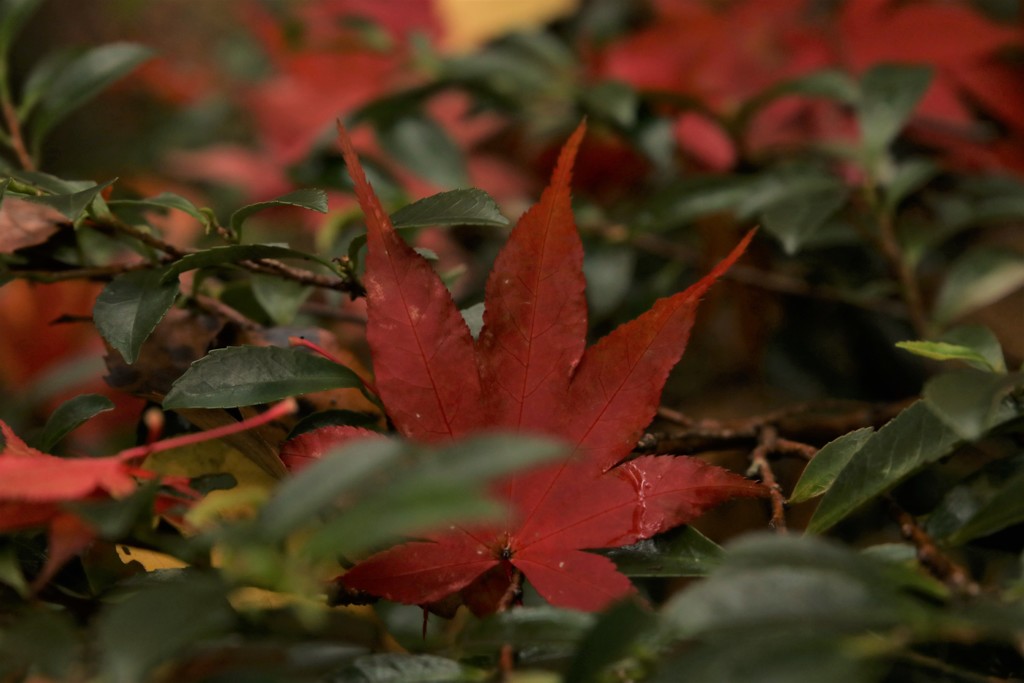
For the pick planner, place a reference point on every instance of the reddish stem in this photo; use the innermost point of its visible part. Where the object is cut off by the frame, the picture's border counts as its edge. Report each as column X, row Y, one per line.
column 316, row 348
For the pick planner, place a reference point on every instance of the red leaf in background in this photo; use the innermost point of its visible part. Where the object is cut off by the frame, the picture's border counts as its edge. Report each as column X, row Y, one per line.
column 309, row 447
column 539, row 379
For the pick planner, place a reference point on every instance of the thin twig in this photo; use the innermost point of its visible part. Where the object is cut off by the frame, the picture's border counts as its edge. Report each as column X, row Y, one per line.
column 931, row 557
column 512, row 597
column 766, row 444
column 17, row 137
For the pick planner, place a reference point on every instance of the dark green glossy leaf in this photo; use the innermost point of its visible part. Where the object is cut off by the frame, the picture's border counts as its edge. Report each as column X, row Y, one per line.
column 794, row 221
column 313, row 199
column 911, row 440
column 424, row 148
column 978, row 278
column 397, row 668
column 970, row 402
column 280, row 298
column 889, row 95
column 250, row 375
column 72, row 205
column 130, row 307
column 69, row 416
column 526, row 626
column 987, row 502
column 84, row 78
column 217, row 256
column 163, row 201
column 159, row 620
column 612, row 639
column 455, row 207
column 682, row 552
column 826, row 465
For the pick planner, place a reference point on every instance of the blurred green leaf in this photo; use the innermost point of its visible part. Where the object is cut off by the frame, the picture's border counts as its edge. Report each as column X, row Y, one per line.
column 911, row 440
column 163, row 201
column 946, row 351
column 72, row 205
column 250, row 375
column 308, row 198
column 970, row 402
column 398, row 668
column 988, row 501
column 889, row 95
column 826, row 465
column 216, row 256
column 978, row 278
column 794, row 221
column 69, row 416
column 11, row 574
column 280, row 298
column 612, row 101
column 474, row 317
column 13, row 15
column 424, row 148
column 528, row 626
column 82, row 79
column 42, row 640
column 907, row 178
column 609, row 273
column 130, row 307
column 980, row 340
column 159, row 620
column 680, row 552
column 455, row 207
column 612, row 639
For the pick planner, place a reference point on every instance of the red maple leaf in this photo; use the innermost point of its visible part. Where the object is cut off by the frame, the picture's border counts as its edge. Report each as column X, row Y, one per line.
column 530, row 371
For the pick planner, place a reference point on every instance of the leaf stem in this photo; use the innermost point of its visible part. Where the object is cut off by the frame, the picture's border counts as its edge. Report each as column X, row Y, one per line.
column 17, row 138
column 940, row 565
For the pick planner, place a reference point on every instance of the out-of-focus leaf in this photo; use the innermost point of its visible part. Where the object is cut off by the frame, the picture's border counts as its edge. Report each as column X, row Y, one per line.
column 163, row 201
column 115, row 517
column 25, row 224
column 941, row 350
column 250, row 375
column 978, row 278
column 612, row 101
column 610, row 640
column 474, row 317
column 308, row 198
column 397, row 668
column 332, row 418
column 455, row 207
column 130, row 307
column 529, row 626
column 988, row 501
column 41, row 640
column 980, row 340
column 190, row 607
column 907, row 443
column 683, row 552
column 13, row 15
column 826, row 465
column 970, row 402
column 907, row 178
column 216, row 256
column 280, row 298
column 72, row 205
column 11, row 574
column 794, row 221
column 609, row 273
column 425, row 149
column 69, row 416
column 889, row 95
column 84, row 78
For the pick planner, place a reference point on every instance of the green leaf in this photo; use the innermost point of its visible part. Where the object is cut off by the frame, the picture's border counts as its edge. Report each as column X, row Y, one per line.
column 299, row 499
column 474, row 317
column 681, row 552
column 69, row 416
column 978, row 278
column 130, row 307
column 424, row 148
column 988, row 501
column 889, row 95
column 396, row 668
column 612, row 639
column 609, row 272
column 970, row 402
column 250, row 375
column 10, row 572
column 72, row 205
column 911, row 440
column 794, row 221
column 164, row 201
column 907, row 178
column 13, row 15
column 43, row 641
column 190, row 608
column 528, row 626
column 313, row 199
column 947, row 351
column 83, row 79
column 216, row 256
column 826, row 465
column 455, row 207
column 280, row 298
column 612, row 101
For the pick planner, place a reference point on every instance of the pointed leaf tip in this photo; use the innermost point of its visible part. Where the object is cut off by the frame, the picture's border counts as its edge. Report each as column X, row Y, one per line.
column 567, row 157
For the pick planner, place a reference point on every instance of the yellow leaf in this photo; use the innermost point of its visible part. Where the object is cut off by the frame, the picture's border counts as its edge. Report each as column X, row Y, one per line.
column 469, row 24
